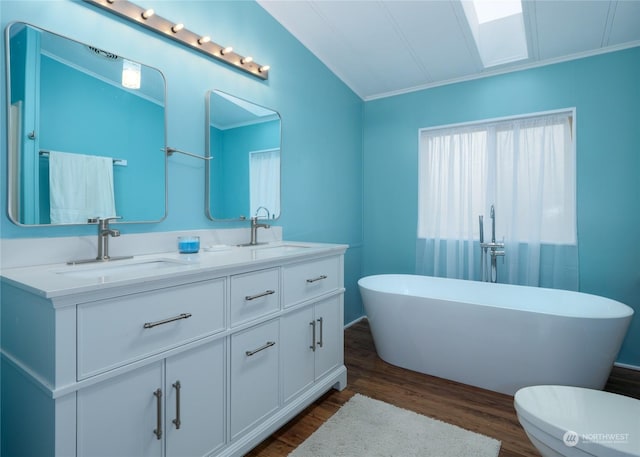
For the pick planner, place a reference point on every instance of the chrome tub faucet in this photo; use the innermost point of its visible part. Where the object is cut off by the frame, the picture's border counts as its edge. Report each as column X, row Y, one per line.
column 495, row 249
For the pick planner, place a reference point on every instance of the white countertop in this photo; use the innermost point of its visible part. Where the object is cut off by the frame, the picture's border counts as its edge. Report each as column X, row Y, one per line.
column 60, row 280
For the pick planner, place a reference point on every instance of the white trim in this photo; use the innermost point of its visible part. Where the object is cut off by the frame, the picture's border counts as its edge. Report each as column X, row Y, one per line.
column 501, row 71
column 354, row 322
column 497, row 120
column 262, row 151
column 628, row 366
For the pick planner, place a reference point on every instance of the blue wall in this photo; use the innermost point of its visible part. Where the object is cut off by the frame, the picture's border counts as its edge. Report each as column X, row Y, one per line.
column 605, row 90
column 321, row 117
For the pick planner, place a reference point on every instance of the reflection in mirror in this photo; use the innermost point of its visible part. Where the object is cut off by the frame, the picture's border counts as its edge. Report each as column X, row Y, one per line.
column 243, row 176
column 86, row 132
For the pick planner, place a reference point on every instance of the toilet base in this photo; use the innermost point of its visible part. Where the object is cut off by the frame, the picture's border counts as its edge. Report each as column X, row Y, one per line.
column 547, row 445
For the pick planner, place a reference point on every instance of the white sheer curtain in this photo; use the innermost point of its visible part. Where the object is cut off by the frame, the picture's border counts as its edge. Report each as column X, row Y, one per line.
column 525, row 168
column 451, row 193
column 264, row 183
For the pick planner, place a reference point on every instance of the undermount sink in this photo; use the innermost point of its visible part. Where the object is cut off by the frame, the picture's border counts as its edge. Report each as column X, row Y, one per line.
column 281, row 247
column 116, row 269
column 269, row 251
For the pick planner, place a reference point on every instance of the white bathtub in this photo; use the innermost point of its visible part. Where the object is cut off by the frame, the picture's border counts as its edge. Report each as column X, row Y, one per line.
column 495, row 336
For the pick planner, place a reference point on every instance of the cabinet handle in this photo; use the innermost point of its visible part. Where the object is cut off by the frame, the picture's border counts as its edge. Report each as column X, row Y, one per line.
column 313, row 336
column 267, row 345
column 263, row 294
column 319, row 278
column 166, row 321
column 158, row 430
column 177, row 421
column 321, row 332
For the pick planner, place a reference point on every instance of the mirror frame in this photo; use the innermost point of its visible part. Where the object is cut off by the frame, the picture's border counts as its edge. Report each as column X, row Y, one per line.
column 210, row 158
column 11, row 165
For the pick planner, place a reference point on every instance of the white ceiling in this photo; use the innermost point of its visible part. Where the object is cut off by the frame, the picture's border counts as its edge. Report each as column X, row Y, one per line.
column 386, row 47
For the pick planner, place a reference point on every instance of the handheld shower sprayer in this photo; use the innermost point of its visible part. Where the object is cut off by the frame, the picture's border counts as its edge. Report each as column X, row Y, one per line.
column 493, row 224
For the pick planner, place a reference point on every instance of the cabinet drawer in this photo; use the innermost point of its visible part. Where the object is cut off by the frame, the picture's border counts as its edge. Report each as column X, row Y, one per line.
column 118, row 331
column 302, row 281
column 254, row 295
column 254, row 375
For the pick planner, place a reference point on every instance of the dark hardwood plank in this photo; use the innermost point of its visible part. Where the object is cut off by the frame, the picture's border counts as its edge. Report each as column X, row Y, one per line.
column 469, row 407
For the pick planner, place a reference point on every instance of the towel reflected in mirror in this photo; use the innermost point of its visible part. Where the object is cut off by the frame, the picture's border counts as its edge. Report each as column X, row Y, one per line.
column 81, row 187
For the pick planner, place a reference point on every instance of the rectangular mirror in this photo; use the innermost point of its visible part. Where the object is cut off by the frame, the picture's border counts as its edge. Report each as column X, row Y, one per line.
column 243, row 175
column 86, row 132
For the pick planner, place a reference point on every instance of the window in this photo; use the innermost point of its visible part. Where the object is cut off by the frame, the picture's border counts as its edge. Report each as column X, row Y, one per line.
column 523, row 166
column 264, row 183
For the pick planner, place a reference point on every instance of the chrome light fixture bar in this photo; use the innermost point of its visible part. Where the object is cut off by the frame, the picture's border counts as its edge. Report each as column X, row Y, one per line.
column 178, row 32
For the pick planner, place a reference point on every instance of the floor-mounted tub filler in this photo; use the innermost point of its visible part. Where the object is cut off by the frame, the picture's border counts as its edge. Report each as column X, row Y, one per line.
column 496, row 336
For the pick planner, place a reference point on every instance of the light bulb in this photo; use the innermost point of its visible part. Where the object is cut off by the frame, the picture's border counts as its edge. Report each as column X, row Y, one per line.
column 264, row 68
column 247, row 59
column 226, row 50
column 176, row 28
column 204, row 39
column 148, row 13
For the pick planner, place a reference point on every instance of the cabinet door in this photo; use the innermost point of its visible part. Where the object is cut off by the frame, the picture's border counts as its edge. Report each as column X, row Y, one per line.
column 195, row 419
column 298, row 346
column 119, row 417
column 254, row 375
column 329, row 339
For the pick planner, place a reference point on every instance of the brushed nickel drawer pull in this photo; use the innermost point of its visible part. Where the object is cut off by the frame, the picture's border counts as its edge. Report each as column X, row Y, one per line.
column 166, row 321
column 177, row 420
column 263, row 294
column 261, row 348
column 158, row 430
column 321, row 342
column 313, row 336
column 319, row 278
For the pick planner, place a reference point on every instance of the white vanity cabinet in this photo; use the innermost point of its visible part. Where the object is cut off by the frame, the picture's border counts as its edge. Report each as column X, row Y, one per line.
column 254, row 375
column 177, row 403
column 200, row 359
column 311, row 344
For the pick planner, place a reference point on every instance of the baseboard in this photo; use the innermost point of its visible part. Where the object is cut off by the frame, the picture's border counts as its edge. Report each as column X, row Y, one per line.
column 628, row 366
column 353, row 322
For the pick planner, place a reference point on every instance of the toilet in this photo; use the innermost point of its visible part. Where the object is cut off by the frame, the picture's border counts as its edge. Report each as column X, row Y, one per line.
column 578, row 422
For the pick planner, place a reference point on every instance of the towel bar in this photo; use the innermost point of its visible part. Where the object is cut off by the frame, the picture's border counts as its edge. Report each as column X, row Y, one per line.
column 116, row 162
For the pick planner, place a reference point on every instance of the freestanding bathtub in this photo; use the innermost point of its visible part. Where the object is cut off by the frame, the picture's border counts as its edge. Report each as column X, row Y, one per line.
column 495, row 336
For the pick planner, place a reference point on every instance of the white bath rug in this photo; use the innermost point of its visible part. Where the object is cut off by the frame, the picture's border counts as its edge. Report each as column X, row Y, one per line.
column 365, row 427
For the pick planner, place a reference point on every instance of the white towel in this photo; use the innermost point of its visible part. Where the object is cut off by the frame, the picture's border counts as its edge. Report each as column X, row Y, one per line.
column 81, row 187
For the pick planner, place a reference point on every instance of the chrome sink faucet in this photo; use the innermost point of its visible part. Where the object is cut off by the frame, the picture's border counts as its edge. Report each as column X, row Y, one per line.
column 265, row 209
column 254, row 230
column 104, row 232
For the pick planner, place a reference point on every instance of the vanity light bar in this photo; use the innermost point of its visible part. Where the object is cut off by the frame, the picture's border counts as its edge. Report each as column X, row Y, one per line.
column 177, row 32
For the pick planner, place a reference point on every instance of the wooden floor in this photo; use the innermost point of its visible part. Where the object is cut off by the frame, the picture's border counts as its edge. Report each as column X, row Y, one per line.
column 472, row 408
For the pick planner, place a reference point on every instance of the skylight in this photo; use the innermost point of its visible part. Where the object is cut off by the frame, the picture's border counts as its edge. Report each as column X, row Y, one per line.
column 498, row 30
column 490, row 10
